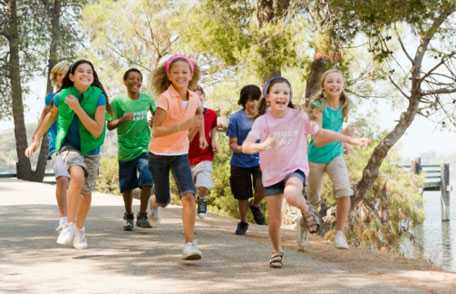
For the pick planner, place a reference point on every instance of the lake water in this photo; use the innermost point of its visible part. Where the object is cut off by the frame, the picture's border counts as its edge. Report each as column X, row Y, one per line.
column 436, row 240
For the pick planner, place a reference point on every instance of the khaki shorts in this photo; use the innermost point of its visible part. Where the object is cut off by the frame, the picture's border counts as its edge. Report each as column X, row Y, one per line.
column 59, row 166
column 90, row 164
column 202, row 174
column 337, row 172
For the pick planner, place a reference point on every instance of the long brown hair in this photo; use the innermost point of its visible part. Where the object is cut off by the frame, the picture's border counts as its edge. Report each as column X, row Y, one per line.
column 321, row 98
column 160, row 82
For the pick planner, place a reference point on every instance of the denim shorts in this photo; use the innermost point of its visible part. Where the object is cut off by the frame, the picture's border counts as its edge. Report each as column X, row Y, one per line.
column 160, row 165
column 280, row 186
column 135, row 173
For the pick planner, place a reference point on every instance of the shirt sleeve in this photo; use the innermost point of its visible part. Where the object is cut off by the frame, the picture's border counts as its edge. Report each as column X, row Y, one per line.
column 232, row 130
column 257, row 132
column 101, row 100
column 163, row 102
column 49, row 99
column 310, row 127
column 153, row 106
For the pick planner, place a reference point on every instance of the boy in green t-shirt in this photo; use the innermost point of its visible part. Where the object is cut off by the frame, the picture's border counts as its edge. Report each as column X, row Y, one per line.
column 129, row 116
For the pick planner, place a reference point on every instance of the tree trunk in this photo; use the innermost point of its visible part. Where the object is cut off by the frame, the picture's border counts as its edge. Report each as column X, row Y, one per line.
column 319, row 65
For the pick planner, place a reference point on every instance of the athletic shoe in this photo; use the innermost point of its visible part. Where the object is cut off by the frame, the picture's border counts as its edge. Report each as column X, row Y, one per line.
column 142, row 222
column 340, row 240
column 129, row 222
column 241, row 228
column 202, row 208
column 154, row 215
column 62, row 223
column 80, row 239
column 257, row 215
column 191, row 251
column 301, row 232
column 66, row 235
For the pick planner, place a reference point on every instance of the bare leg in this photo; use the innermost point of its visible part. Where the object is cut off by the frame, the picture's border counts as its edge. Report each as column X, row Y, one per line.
column 60, row 194
column 243, row 209
column 342, row 210
column 128, row 201
column 202, row 192
column 188, row 215
column 145, row 194
column 274, row 203
column 74, row 192
column 293, row 194
column 83, row 211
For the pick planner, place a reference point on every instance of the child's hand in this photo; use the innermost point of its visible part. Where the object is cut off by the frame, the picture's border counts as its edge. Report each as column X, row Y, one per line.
column 127, row 116
column 203, row 143
column 32, row 148
column 267, row 144
column 347, row 148
column 363, row 142
column 72, row 102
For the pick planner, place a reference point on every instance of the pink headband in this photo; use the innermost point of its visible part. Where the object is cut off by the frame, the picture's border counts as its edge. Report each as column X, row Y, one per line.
column 176, row 57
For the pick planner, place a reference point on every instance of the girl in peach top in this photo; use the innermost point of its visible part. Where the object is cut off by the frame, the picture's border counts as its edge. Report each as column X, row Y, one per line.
column 178, row 111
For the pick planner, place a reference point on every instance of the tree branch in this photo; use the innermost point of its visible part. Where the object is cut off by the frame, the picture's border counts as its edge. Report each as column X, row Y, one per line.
column 439, row 91
column 398, row 88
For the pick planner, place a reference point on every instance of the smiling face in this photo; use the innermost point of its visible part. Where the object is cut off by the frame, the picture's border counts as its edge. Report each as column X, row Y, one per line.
column 279, row 96
column 58, row 79
column 333, row 85
column 133, row 82
column 180, row 75
column 82, row 77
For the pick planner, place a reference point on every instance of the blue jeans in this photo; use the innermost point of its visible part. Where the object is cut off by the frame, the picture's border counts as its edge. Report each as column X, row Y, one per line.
column 160, row 165
column 280, row 186
column 135, row 173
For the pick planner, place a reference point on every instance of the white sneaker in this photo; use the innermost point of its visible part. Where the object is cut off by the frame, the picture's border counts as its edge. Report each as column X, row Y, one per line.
column 66, row 235
column 154, row 215
column 191, row 251
column 80, row 239
column 62, row 223
column 340, row 240
column 302, row 234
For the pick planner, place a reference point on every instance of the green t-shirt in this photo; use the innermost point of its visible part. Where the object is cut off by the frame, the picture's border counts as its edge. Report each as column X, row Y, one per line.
column 133, row 136
column 333, row 120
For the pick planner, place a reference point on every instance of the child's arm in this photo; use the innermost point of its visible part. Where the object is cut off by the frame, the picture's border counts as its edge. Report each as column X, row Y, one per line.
column 113, row 124
column 43, row 114
column 192, row 133
column 95, row 127
column 44, row 125
column 202, row 132
column 324, row 136
column 160, row 130
column 250, row 147
column 214, row 140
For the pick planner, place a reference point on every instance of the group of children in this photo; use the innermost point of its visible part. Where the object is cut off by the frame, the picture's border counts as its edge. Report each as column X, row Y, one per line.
column 269, row 141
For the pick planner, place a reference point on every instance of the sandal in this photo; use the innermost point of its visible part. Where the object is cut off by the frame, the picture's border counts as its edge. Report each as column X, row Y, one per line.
column 312, row 220
column 276, row 260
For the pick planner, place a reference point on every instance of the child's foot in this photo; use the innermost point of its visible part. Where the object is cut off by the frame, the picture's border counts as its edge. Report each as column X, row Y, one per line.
column 142, row 221
column 276, row 260
column 129, row 222
column 241, row 228
column 312, row 219
column 80, row 239
column 202, row 208
column 301, row 232
column 191, row 251
column 62, row 223
column 257, row 214
column 66, row 235
column 340, row 240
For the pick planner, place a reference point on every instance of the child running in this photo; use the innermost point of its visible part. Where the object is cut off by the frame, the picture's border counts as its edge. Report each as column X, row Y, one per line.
column 330, row 109
column 58, row 71
column 201, row 159
column 245, row 174
column 178, row 110
column 80, row 111
column 133, row 137
column 279, row 134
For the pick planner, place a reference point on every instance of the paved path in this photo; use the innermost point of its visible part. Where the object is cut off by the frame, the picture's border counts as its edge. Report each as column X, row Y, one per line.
column 148, row 261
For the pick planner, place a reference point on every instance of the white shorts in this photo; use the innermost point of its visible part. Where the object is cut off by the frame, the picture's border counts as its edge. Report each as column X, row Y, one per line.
column 337, row 172
column 202, row 174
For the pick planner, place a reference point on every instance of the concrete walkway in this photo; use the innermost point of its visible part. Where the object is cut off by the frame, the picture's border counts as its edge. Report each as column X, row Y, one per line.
column 148, row 261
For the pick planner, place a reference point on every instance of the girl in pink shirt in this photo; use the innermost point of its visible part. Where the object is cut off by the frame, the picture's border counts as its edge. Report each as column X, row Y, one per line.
column 178, row 110
column 281, row 132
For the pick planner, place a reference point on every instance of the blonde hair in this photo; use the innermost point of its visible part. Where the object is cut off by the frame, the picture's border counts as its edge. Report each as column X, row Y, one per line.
column 160, row 81
column 61, row 67
column 322, row 98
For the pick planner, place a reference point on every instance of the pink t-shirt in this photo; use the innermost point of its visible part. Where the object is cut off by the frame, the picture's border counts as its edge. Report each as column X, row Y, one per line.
column 177, row 111
column 290, row 150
